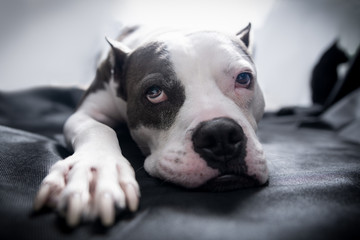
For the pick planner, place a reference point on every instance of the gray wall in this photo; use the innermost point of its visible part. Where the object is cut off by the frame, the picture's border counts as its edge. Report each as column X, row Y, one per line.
column 46, row 42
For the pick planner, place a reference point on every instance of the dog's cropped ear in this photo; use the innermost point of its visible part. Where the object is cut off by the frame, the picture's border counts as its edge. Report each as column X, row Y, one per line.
column 244, row 35
column 117, row 58
column 119, row 52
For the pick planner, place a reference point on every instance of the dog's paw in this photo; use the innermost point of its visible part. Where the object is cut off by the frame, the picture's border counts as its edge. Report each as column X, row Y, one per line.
column 88, row 187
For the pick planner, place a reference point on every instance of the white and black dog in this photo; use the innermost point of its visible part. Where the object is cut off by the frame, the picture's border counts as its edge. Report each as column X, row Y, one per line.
column 192, row 103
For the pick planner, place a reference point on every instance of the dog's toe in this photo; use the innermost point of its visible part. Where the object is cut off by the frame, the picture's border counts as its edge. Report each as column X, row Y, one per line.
column 115, row 189
column 48, row 195
column 126, row 178
column 52, row 186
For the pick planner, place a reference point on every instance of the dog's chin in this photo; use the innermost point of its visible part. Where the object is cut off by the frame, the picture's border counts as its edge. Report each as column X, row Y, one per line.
column 230, row 182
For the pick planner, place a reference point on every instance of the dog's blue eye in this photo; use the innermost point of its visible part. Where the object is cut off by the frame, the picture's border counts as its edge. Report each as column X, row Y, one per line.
column 244, row 79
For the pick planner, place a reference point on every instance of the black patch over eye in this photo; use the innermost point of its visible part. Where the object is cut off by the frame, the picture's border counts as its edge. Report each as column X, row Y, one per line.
column 244, row 79
column 156, row 93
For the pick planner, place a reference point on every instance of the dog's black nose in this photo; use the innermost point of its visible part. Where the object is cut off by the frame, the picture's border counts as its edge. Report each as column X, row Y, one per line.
column 219, row 141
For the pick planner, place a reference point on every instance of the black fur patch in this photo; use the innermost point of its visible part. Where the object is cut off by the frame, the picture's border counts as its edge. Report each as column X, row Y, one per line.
column 147, row 66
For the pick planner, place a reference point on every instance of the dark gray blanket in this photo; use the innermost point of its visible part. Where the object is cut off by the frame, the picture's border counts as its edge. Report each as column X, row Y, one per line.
column 313, row 193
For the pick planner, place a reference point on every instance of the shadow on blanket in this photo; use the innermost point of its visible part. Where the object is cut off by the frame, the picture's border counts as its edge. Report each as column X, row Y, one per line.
column 314, row 189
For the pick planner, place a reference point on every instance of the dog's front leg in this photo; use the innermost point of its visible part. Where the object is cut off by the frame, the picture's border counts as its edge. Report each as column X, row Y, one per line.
column 95, row 180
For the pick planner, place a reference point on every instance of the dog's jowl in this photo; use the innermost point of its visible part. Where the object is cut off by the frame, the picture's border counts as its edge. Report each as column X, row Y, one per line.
column 191, row 101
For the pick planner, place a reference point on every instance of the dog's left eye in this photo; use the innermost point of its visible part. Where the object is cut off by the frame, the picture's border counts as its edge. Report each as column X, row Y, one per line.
column 155, row 94
column 244, row 79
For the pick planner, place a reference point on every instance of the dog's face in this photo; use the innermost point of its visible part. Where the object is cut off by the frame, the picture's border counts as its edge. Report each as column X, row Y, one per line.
column 193, row 103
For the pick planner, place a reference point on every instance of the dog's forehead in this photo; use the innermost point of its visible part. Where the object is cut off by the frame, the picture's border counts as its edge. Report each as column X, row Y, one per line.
column 171, row 61
column 167, row 51
column 208, row 46
column 207, row 55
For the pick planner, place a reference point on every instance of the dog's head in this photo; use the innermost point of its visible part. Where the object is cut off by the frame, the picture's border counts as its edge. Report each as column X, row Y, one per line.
column 193, row 103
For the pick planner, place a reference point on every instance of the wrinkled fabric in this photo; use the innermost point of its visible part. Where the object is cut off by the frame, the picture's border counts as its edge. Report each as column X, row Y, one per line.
column 344, row 117
column 313, row 192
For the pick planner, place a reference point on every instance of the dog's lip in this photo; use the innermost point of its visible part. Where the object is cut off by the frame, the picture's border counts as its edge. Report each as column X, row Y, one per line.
column 228, row 182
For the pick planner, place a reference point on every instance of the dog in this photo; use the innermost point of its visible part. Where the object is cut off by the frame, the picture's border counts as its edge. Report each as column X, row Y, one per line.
column 191, row 101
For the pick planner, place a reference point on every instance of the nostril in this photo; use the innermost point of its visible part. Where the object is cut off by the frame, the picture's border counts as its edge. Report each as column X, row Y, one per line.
column 205, row 140
column 235, row 137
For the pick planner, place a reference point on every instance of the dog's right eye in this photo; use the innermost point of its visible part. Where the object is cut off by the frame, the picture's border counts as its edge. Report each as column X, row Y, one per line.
column 155, row 94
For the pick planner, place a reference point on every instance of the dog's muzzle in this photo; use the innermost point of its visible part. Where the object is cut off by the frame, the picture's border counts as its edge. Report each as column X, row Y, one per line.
column 221, row 142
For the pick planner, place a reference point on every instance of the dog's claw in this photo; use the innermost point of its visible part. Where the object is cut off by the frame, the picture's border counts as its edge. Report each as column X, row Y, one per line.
column 74, row 210
column 132, row 197
column 107, row 211
column 41, row 197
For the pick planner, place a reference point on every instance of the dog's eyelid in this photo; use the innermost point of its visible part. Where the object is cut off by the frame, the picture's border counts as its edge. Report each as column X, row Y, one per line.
column 151, row 80
column 237, row 67
column 245, row 70
column 151, row 76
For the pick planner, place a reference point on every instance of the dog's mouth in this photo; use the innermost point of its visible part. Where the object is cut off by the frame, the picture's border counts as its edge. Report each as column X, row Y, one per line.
column 228, row 182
